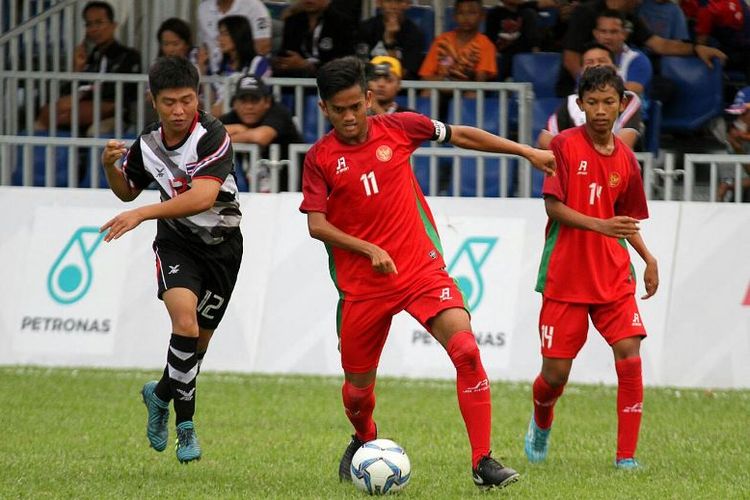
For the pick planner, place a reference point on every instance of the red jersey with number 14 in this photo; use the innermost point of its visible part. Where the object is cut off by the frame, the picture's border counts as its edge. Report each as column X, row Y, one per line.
column 586, row 266
column 369, row 191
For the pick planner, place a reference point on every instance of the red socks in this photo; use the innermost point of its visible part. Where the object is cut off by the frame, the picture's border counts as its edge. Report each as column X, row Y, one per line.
column 473, row 389
column 359, row 403
column 629, row 405
column 545, row 397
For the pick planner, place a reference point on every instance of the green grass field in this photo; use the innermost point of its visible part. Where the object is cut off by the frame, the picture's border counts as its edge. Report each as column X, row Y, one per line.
column 81, row 434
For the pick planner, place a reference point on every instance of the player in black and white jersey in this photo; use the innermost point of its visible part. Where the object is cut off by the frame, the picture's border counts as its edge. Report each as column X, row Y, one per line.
column 198, row 243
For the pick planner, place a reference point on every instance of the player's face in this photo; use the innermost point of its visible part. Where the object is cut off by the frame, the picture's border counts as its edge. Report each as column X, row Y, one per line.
column 610, row 33
column 601, row 106
column 176, row 109
column 173, row 45
column 385, row 88
column 347, row 111
column 251, row 109
column 596, row 57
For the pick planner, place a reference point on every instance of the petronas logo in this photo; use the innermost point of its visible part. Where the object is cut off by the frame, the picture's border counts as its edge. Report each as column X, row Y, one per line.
column 466, row 267
column 70, row 276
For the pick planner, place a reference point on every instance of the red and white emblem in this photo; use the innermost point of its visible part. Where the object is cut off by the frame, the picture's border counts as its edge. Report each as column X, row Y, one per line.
column 384, row 153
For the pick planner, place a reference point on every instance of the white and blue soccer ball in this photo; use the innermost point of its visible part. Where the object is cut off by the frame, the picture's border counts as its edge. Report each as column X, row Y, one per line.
column 380, row 467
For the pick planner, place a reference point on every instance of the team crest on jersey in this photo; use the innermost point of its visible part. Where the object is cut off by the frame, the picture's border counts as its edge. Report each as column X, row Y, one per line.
column 614, row 180
column 384, row 153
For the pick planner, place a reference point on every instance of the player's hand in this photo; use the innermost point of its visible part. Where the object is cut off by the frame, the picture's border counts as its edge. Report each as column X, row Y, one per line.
column 543, row 160
column 381, row 261
column 707, row 53
column 651, row 279
column 619, row 226
column 121, row 224
column 113, row 151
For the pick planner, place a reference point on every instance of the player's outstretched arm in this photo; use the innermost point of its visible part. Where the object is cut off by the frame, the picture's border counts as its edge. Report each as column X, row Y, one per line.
column 619, row 226
column 468, row 137
column 113, row 151
column 322, row 230
column 651, row 274
column 199, row 198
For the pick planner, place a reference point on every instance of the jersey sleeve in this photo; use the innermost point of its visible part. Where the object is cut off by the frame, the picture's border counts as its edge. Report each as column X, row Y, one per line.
column 632, row 201
column 430, row 63
column 419, row 128
column 214, row 154
column 314, row 185
column 631, row 116
column 487, row 56
column 641, row 71
column 132, row 167
column 557, row 185
column 261, row 21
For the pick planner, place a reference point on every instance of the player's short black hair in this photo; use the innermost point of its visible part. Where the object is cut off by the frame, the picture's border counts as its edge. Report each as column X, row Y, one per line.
column 599, row 77
column 178, row 27
column 100, row 5
column 597, row 45
column 172, row 73
column 340, row 74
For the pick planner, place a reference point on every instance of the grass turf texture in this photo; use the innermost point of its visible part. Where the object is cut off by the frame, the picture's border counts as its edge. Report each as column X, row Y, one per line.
column 81, row 434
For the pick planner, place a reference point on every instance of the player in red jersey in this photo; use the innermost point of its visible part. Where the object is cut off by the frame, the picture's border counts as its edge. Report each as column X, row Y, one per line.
column 363, row 201
column 594, row 204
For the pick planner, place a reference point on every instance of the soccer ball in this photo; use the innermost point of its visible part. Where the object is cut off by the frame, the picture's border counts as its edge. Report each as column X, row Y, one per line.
column 380, row 467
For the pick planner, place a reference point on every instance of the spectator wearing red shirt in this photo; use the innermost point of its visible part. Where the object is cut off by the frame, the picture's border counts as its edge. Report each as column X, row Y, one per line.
column 363, row 201
column 594, row 205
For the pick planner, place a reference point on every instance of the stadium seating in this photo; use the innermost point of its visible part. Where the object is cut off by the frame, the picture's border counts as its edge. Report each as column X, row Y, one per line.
column 38, row 172
column 698, row 93
column 539, row 68
column 424, row 17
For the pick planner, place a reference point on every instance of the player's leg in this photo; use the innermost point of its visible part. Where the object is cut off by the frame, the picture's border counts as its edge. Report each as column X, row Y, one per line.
column 363, row 328
column 562, row 330
column 621, row 325
column 439, row 306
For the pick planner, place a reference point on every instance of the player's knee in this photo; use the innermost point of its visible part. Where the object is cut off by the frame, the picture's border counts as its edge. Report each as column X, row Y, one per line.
column 555, row 378
column 463, row 350
column 185, row 324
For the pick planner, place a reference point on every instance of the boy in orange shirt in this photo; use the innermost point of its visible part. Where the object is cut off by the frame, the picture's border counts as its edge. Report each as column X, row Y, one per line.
column 463, row 54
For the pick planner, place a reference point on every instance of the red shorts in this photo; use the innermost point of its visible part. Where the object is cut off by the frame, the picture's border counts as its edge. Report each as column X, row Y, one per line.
column 563, row 326
column 363, row 325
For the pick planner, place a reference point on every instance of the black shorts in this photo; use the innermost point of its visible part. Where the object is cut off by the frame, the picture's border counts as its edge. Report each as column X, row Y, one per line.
column 209, row 271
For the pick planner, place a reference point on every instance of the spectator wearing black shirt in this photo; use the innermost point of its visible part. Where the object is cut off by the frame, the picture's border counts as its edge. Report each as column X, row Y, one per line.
column 512, row 26
column 580, row 32
column 391, row 33
column 106, row 56
column 317, row 34
column 256, row 118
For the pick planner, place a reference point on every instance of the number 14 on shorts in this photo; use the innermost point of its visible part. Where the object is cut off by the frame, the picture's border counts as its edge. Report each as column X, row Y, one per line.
column 547, row 332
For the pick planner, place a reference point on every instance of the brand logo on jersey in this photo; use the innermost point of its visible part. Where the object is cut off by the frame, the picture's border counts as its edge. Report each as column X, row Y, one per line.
column 71, row 275
column 583, row 168
column 614, row 180
column 636, row 320
column 469, row 259
column 159, row 172
column 384, row 153
column 341, row 165
column 174, row 269
column 445, row 294
column 433, row 254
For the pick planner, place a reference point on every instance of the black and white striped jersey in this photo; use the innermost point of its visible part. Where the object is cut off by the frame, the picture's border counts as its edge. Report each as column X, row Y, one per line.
column 206, row 152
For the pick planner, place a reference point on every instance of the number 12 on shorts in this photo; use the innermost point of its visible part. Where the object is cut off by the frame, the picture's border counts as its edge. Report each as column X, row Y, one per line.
column 547, row 333
column 209, row 302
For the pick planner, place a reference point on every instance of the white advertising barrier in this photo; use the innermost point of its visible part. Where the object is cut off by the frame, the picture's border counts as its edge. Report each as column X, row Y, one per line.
column 73, row 300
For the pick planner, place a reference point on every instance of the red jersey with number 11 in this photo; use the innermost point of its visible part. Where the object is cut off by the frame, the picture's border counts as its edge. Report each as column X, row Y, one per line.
column 585, row 266
column 369, row 191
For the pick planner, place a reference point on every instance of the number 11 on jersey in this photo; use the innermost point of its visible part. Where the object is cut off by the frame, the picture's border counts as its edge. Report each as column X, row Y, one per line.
column 371, row 185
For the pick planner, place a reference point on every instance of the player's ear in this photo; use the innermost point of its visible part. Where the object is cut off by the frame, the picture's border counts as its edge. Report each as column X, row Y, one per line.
column 368, row 99
column 580, row 103
column 323, row 107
